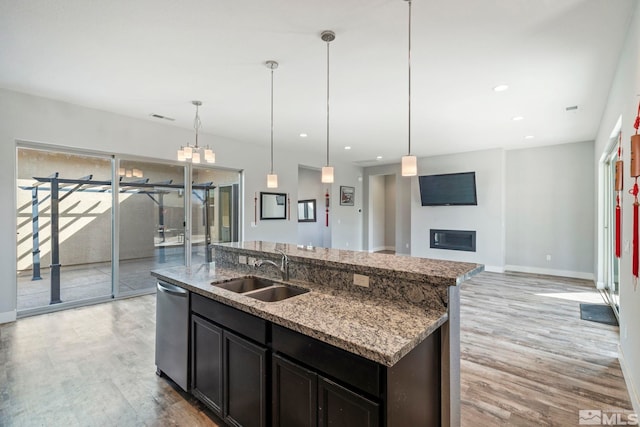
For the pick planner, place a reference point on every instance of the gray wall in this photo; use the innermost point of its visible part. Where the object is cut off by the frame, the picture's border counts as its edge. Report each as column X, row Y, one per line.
column 487, row 218
column 31, row 118
column 623, row 104
column 549, row 209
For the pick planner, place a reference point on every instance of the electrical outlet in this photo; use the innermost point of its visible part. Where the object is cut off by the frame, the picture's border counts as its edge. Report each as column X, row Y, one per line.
column 242, row 259
column 360, row 280
column 251, row 260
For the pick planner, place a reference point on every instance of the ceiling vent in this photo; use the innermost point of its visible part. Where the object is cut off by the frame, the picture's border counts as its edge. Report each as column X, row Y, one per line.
column 159, row 116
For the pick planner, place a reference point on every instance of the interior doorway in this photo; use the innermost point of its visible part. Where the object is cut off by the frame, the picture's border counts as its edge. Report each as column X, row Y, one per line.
column 382, row 213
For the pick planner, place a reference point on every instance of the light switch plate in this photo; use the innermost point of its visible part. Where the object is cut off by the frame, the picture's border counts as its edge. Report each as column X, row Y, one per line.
column 360, row 280
column 242, row 259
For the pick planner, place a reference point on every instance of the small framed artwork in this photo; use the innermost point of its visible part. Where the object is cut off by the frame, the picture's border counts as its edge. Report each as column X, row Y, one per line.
column 347, row 195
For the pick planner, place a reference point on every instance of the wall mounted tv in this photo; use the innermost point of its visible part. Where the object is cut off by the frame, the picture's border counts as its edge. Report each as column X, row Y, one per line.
column 453, row 189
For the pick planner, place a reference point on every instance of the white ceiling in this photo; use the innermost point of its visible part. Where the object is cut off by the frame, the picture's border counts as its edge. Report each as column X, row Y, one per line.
column 137, row 57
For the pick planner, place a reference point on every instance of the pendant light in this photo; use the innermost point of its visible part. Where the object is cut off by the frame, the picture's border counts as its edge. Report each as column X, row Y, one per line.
column 195, row 153
column 327, row 171
column 409, row 162
column 272, row 178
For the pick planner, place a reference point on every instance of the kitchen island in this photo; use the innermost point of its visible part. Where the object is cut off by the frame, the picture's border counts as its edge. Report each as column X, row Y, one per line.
column 384, row 350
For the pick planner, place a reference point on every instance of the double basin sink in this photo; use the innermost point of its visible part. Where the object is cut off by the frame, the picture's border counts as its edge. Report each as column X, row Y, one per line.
column 261, row 289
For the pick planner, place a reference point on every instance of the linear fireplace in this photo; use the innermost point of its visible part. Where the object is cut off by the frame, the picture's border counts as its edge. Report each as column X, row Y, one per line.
column 456, row 240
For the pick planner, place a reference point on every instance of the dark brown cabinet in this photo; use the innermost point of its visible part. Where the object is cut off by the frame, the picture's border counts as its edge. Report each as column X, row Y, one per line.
column 294, row 395
column 206, row 364
column 340, row 407
column 303, row 398
column 229, row 371
column 253, row 373
column 245, row 382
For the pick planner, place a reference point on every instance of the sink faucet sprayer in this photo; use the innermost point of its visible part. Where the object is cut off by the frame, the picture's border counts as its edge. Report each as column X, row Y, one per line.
column 284, row 264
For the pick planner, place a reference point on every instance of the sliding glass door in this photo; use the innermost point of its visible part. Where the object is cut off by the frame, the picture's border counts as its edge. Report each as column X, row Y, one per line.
column 77, row 211
column 214, row 210
column 64, row 218
column 151, row 203
column 612, row 263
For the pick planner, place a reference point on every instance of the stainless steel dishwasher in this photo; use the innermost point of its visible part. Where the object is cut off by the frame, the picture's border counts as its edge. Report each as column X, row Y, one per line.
column 172, row 333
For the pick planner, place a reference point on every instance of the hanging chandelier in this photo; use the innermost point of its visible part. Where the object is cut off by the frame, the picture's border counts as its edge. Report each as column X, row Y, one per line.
column 272, row 178
column 409, row 162
column 327, row 171
column 195, row 153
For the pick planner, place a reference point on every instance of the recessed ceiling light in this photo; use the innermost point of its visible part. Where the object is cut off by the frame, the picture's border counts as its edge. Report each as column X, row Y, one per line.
column 529, row 137
column 303, row 135
column 500, row 88
column 517, row 118
column 347, row 147
column 379, row 158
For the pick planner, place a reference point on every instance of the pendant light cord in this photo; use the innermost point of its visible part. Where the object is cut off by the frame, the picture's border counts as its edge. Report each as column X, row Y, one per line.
column 327, row 103
column 409, row 139
column 271, row 120
column 197, row 124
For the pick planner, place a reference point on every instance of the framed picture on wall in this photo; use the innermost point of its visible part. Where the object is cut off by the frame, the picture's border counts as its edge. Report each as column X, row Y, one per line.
column 347, row 195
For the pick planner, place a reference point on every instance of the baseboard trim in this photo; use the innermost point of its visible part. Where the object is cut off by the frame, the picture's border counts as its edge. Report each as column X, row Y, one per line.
column 628, row 379
column 549, row 272
column 9, row 316
column 493, row 269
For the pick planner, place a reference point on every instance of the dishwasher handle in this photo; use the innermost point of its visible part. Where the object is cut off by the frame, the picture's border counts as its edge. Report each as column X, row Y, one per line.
column 172, row 289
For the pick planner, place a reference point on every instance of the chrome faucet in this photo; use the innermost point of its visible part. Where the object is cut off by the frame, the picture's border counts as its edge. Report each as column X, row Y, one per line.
column 284, row 264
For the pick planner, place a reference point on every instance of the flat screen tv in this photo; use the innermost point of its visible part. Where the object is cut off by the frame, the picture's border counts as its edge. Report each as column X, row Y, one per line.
column 452, row 189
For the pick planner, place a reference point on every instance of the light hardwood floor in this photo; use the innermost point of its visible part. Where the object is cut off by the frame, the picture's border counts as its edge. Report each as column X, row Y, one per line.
column 527, row 360
column 527, row 357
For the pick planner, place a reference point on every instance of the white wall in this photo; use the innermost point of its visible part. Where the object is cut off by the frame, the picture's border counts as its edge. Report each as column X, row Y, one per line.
column 487, row 218
column 31, row 118
column 549, row 210
column 623, row 102
column 310, row 188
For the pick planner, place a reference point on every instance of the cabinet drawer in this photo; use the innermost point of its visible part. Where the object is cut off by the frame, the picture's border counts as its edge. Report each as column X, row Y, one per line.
column 349, row 368
column 238, row 321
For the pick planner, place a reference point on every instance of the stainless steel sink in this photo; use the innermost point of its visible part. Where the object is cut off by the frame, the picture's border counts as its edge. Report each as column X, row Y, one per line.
column 246, row 284
column 277, row 293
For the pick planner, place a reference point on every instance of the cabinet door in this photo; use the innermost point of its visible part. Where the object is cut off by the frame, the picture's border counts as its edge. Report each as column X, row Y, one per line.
column 339, row 407
column 245, row 382
column 206, row 366
column 294, row 397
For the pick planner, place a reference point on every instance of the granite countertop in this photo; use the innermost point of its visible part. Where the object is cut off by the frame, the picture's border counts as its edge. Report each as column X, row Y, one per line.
column 434, row 271
column 378, row 329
